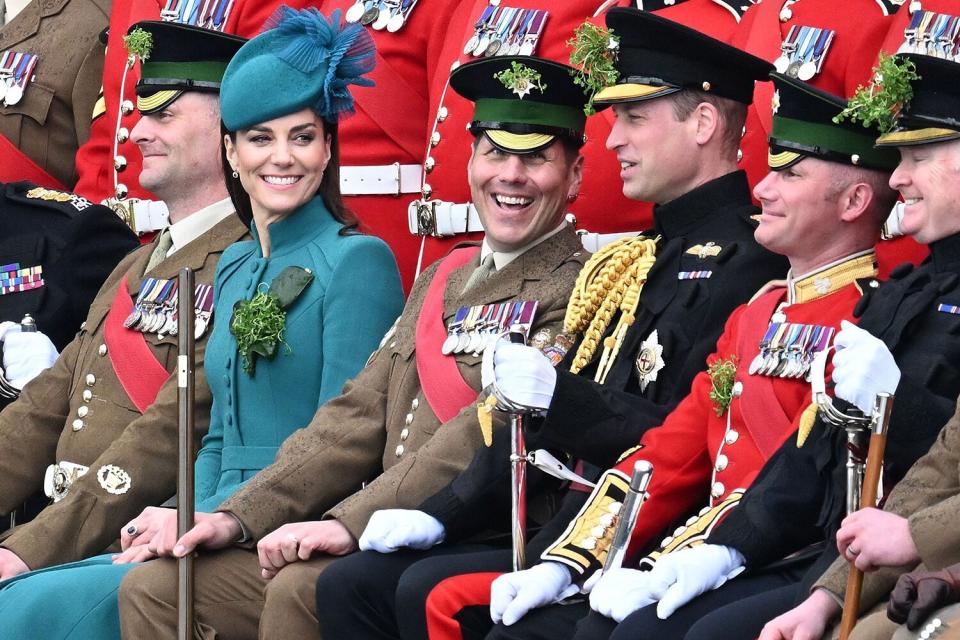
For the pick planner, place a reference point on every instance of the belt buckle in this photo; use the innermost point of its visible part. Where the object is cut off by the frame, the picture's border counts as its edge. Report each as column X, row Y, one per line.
column 427, row 218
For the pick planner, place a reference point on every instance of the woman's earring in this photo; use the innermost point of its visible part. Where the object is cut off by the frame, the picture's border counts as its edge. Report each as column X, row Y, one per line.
column 235, row 174
column 572, row 197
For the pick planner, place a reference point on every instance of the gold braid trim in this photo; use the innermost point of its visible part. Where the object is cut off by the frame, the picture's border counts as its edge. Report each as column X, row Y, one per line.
column 610, row 281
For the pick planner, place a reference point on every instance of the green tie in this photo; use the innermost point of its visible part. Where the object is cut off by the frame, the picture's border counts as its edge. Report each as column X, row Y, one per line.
column 481, row 273
column 160, row 253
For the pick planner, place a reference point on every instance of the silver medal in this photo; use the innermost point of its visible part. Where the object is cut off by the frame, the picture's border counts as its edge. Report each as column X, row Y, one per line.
column 14, row 95
column 354, row 13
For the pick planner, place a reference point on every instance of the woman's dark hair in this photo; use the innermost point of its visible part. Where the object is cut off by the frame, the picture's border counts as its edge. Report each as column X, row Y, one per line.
column 329, row 188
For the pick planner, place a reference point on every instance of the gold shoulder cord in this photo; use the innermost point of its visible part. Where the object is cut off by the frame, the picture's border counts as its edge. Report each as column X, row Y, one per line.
column 610, row 281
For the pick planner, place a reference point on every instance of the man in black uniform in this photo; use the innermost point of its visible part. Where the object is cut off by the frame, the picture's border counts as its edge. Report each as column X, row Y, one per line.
column 649, row 309
column 56, row 249
column 909, row 326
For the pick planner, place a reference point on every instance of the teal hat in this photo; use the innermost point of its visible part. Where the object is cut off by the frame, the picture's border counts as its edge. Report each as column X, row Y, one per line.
column 522, row 103
column 303, row 60
column 804, row 124
column 176, row 58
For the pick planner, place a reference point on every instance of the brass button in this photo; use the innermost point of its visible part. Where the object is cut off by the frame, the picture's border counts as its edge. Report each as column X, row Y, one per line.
column 737, row 390
column 123, row 134
column 77, row 425
column 91, row 379
column 429, row 164
column 87, row 395
column 731, row 436
column 442, row 114
column 102, row 350
column 435, row 138
column 126, row 107
column 83, row 410
column 405, row 434
column 408, row 420
column 399, row 450
column 415, row 404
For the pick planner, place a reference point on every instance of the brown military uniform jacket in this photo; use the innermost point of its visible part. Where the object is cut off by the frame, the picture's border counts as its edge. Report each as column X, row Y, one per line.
column 53, row 117
column 929, row 497
column 77, row 411
column 381, row 429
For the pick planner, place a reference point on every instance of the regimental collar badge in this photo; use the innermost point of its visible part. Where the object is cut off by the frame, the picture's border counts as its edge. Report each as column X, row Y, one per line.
column 649, row 360
column 521, row 79
column 703, row 251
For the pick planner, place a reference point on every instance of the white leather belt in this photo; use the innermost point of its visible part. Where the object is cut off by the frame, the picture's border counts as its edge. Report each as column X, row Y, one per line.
column 593, row 242
column 891, row 227
column 439, row 218
column 143, row 216
column 59, row 477
column 381, row 180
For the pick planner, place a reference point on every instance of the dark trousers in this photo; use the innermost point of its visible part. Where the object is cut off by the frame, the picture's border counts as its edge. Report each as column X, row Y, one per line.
column 377, row 596
column 443, row 594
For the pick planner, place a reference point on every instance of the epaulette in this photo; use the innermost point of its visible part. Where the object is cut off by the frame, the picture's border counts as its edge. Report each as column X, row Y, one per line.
column 69, row 203
column 890, row 7
column 735, row 7
column 656, row 5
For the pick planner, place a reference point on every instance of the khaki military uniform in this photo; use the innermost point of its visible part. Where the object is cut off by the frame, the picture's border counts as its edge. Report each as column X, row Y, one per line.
column 927, row 496
column 381, row 430
column 53, row 117
column 78, row 412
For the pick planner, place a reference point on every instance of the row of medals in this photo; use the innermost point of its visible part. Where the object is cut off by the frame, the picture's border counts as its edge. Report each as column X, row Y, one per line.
column 932, row 34
column 474, row 328
column 787, row 349
column 381, row 14
column 795, row 62
column 11, row 91
column 487, row 41
column 155, row 310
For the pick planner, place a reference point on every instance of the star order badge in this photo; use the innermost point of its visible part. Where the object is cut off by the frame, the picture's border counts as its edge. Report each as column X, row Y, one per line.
column 649, row 360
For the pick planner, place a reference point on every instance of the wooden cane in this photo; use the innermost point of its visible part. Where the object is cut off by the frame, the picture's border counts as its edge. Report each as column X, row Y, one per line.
column 185, row 457
column 868, row 498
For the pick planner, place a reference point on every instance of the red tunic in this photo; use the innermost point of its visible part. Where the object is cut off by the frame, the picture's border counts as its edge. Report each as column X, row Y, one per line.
column 702, row 458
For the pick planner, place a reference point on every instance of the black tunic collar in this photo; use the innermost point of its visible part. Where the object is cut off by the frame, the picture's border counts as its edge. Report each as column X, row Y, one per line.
column 691, row 210
column 946, row 254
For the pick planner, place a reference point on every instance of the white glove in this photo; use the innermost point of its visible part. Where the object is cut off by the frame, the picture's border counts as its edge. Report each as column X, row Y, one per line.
column 620, row 592
column 693, row 571
column 862, row 367
column 512, row 595
column 524, row 375
column 25, row 355
column 392, row 529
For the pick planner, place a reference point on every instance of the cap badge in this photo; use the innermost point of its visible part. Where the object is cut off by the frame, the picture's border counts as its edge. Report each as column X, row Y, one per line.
column 521, row 79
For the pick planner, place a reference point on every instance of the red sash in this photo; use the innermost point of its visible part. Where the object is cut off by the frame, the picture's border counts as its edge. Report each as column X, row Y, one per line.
column 140, row 373
column 443, row 386
column 763, row 415
column 16, row 166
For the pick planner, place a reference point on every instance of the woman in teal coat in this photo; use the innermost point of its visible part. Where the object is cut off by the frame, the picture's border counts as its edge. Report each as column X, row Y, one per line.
column 299, row 308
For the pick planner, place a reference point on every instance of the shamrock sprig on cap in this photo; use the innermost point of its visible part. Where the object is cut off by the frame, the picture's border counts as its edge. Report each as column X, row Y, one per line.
column 139, row 44
column 595, row 56
column 881, row 101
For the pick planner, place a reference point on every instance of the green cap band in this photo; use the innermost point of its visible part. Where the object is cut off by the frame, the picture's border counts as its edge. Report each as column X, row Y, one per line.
column 834, row 139
column 211, row 71
column 529, row 112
